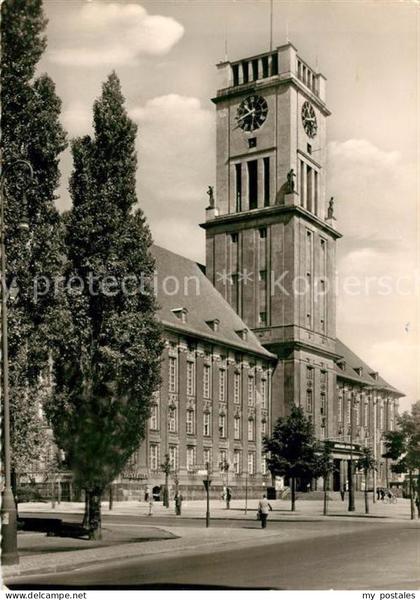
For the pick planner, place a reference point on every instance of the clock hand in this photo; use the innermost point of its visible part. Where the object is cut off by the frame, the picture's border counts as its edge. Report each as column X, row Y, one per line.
column 245, row 115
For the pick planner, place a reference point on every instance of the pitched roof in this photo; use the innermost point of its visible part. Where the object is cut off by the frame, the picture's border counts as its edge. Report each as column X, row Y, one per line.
column 182, row 284
column 365, row 376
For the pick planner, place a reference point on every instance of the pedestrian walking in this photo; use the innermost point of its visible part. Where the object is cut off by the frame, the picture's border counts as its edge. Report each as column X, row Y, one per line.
column 263, row 509
column 147, row 494
column 228, row 497
column 178, row 503
column 342, row 494
column 151, row 502
column 382, row 494
column 378, row 493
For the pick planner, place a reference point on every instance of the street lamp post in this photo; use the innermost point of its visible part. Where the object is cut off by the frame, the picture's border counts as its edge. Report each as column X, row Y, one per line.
column 351, row 470
column 9, row 553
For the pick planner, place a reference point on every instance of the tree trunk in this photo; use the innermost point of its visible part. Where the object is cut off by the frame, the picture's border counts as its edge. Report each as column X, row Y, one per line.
column 94, row 514
column 366, row 493
column 111, row 496
column 86, row 514
column 325, row 495
column 293, row 490
column 410, row 482
column 418, row 494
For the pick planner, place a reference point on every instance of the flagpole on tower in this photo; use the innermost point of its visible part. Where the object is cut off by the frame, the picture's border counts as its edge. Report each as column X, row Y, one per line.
column 271, row 25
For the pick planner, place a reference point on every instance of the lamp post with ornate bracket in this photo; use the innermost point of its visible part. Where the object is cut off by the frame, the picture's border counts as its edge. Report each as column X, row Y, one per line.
column 9, row 553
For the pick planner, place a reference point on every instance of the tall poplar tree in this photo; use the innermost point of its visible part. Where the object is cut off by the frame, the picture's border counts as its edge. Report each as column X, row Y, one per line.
column 30, row 131
column 107, row 355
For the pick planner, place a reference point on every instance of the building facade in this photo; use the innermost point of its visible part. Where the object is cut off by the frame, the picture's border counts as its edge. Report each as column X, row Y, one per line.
column 261, row 335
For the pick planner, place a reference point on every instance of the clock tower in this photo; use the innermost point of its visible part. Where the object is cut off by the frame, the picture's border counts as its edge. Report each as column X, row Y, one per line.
column 270, row 237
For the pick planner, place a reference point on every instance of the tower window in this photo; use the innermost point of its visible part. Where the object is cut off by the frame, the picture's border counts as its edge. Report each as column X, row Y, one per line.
column 266, row 163
column 263, row 318
column 309, row 148
column 252, row 142
column 263, row 232
column 255, row 69
column 245, row 71
column 265, row 66
column 238, row 181
column 234, row 238
column 235, row 73
column 253, row 184
column 274, row 64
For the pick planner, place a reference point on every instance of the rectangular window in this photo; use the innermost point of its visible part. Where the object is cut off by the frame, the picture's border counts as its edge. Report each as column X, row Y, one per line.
column 366, row 414
column 357, row 411
column 207, row 424
column 302, row 189
column 253, row 184
column 309, row 405
column 190, row 458
column 251, row 463
column 316, row 195
column 238, row 186
column 190, row 422
column 172, row 419
column 207, row 457
column 274, row 64
column 237, row 428
column 154, row 457
column 190, row 378
column 154, row 417
column 266, row 163
column 172, row 374
column 251, row 391
column 173, row 457
column 222, row 459
column 262, row 232
column 206, row 381
column 340, row 407
column 264, row 393
column 381, row 416
column 235, row 73
column 255, row 69
column 263, row 428
column 349, row 402
column 245, row 71
column 264, row 61
column 264, row 469
column 237, row 462
column 323, row 404
column 237, row 388
column 323, row 377
column 222, row 385
column 251, row 430
column 309, row 374
column 222, row 426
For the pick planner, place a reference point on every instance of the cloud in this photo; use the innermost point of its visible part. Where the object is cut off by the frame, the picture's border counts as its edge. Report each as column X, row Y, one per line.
column 77, row 119
column 176, row 164
column 375, row 193
column 114, row 35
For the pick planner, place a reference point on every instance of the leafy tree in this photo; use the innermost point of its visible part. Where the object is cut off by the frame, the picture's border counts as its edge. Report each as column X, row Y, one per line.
column 108, row 343
column 324, row 468
column 403, row 447
column 367, row 464
column 31, row 131
column 292, row 449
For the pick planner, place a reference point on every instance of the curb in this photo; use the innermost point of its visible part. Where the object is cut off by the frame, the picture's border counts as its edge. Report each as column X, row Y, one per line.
column 89, row 563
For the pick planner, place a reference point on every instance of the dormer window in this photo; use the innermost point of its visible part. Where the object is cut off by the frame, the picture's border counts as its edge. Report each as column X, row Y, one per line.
column 359, row 370
column 213, row 324
column 181, row 314
column 341, row 364
column 243, row 334
column 374, row 375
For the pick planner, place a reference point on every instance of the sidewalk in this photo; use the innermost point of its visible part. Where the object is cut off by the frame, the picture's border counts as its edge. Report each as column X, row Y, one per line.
column 42, row 554
column 196, row 509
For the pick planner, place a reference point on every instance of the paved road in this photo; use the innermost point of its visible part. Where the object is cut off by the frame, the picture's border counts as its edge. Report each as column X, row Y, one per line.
column 363, row 556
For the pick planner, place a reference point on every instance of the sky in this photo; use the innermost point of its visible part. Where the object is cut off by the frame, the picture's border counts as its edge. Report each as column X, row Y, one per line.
column 165, row 54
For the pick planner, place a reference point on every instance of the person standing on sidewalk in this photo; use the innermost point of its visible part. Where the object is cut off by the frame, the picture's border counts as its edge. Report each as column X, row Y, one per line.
column 151, row 502
column 263, row 508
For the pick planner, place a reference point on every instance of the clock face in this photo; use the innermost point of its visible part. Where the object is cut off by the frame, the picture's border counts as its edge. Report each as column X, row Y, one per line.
column 309, row 119
column 252, row 112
